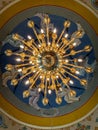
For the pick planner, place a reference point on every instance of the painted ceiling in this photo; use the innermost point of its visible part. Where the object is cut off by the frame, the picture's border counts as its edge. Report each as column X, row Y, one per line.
column 53, row 108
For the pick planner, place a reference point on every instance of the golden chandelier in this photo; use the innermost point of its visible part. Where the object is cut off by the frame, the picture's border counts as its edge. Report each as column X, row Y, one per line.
column 48, row 60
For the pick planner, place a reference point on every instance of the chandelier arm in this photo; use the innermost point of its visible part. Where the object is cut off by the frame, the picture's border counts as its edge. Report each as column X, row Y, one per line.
column 53, row 82
column 36, row 45
column 73, row 75
column 63, row 79
column 68, row 86
column 47, row 32
column 36, row 35
column 35, row 78
column 80, row 67
column 61, row 35
column 26, row 74
column 67, row 44
column 76, row 52
column 29, row 50
column 45, row 92
column 21, row 65
column 27, row 45
column 60, row 44
column 26, row 55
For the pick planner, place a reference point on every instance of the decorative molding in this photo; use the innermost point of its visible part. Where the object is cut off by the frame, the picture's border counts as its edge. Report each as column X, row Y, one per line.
column 90, row 122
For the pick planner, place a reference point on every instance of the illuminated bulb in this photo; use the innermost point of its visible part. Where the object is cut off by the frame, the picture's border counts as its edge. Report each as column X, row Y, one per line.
column 22, row 46
column 39, row 55
column 49, row 43
column 60, row 89
column 19, row 70
column 42, row 31
column 29, row 37
column 77, row 72
column 74, row 44
column 27, row 82
column 39, row 89
column 41, row 76
column 80, row 60
column 57, row 76
column 66, row 35
column 34, row 71
column 49, row 91
column 54, row 30
column 57, row 45
column 30, row 62
column 18, row 59
column 48, row 79
column 71, row 82
column 39, row 45
column 66, row 60
column 38, row 61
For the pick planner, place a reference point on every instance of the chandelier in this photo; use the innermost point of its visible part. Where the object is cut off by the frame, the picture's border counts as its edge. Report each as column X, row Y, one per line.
column 48, row 61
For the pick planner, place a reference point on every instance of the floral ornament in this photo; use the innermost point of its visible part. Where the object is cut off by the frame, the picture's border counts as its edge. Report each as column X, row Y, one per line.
column 82, row 127
column 95, row 3
column 24, row 128
column 97, row 119
column 2, row 124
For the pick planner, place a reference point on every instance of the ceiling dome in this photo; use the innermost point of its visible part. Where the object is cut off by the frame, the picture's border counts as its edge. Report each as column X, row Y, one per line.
column 13, row 96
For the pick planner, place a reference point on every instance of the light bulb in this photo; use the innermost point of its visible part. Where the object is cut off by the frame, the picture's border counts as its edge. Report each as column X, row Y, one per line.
column 57, row 76
column 39, row 89
column 22, row 46
column 66, row 60
column 57, row 45
column 48, row 79
column 41, row 76
column 29, row 37
column 71, row 82
column 74, row 44
column 18, row 59
column 42, row 31
column 66, row 35
column 49, row 43
column 77, row 72
column 39, row 45
column 27, row 82
column 60, row 89
column 30, row 62
column 34, row 71
column 19, row 70
column 54, row 30
column 80, row 60
column 49, row 91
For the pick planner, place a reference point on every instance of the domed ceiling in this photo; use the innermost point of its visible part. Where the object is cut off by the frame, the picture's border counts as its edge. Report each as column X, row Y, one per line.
column 32, row 107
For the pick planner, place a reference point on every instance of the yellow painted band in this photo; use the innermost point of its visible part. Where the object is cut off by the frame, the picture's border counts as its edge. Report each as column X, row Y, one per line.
column 56, row 121
column 75, row 115
column 70, row 4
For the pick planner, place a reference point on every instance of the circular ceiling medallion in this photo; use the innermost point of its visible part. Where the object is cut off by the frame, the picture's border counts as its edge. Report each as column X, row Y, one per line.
column 49, row 61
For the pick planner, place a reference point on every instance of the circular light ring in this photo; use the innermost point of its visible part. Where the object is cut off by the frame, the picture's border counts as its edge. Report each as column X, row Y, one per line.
column 29, row 119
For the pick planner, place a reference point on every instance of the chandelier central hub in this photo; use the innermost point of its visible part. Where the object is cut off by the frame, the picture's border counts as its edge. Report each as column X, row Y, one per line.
column 49, row 60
